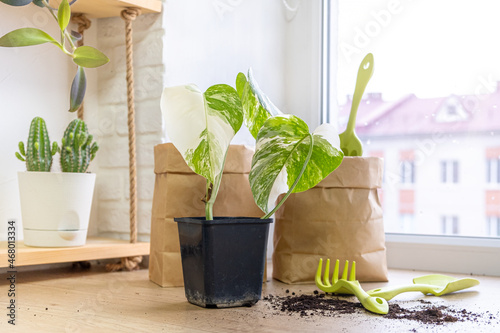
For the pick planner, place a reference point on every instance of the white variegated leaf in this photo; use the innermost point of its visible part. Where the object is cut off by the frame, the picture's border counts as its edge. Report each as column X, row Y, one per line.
column 281, row 165
column 257, row 107
column 202, row 125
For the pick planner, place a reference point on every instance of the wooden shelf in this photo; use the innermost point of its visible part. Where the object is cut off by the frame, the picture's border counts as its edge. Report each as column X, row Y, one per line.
column 111, row 8
column 96, row 248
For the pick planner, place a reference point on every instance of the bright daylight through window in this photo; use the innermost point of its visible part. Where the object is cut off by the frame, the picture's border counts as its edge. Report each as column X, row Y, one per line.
column 431, row 109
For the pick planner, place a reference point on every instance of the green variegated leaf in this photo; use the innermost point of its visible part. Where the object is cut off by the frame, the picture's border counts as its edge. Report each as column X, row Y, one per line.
column 326, row 157
column 202, row 125
column 26, row 37
column 257, row 107
column 290, row 159
column 63, row 14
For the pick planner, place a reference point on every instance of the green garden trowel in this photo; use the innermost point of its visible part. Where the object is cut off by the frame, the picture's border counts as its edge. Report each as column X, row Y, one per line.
column 349, row 142
column 435, row 284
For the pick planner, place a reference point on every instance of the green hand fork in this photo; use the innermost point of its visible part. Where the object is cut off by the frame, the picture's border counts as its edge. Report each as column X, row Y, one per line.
column 350, row 287
column 435, row 284
column 349, row 141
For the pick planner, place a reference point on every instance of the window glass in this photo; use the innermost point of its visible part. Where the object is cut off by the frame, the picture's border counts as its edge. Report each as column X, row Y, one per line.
column 431, row 109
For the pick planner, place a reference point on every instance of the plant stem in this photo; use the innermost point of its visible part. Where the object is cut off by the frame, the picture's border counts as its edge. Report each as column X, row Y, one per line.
column 64, row 34
column 304, row 166
column 214, row 191
column 209, row 204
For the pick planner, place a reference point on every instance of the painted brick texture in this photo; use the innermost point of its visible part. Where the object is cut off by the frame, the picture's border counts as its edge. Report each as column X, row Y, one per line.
column 112, row 185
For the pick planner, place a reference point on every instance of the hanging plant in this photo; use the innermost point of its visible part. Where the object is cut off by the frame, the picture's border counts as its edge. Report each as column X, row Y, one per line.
column 83, row 56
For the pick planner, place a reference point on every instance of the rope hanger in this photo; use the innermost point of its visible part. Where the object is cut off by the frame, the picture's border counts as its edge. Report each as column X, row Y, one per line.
column 128, row 15
column 130, row 263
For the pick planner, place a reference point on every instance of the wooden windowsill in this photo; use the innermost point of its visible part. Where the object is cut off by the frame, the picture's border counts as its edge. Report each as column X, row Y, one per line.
column 62, row 299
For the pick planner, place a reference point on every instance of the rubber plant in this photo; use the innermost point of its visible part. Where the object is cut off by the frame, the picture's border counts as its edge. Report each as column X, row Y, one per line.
column 83, row 56
column 288, row 157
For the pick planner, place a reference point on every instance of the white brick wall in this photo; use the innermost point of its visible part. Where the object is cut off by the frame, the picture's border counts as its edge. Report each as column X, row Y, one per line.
column 112, row 185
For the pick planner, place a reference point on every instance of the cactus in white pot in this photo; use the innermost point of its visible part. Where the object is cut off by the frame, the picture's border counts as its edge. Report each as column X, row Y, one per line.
column 39, row 152
column 77, row 148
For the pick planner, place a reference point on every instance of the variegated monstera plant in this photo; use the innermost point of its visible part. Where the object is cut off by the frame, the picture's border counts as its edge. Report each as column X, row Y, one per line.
column 288, row 158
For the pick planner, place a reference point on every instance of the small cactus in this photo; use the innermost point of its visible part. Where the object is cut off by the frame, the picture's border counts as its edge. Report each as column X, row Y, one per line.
column 77, row 149
column 38, row 157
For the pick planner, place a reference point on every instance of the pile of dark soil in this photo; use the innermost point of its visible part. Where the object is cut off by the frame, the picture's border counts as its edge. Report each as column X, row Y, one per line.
column 320, row 304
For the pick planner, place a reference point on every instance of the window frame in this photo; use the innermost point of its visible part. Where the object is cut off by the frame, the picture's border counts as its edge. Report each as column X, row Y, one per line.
column 407, row 172
column 450, row 172
column 408, row 251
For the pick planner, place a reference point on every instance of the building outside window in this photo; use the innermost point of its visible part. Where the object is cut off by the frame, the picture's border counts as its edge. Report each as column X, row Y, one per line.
column 439, row 127
column 443, row 105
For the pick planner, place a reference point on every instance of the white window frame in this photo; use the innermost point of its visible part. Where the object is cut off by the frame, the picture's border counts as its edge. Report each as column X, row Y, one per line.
column 450, row 254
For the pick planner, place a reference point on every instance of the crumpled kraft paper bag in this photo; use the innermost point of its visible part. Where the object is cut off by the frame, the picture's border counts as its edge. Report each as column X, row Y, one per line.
column 178, row 192
column 340, row 218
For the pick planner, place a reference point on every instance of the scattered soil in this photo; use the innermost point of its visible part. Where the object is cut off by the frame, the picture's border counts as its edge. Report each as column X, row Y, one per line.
column 327, row 305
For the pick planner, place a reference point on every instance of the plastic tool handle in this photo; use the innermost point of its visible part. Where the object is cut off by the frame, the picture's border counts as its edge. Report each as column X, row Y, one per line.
column 374, row 304
column 389, row 293
column 365, row 72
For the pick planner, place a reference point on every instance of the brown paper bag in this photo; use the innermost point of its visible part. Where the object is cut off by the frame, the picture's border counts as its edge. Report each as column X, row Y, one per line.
column 179, row 192
column 340, row 218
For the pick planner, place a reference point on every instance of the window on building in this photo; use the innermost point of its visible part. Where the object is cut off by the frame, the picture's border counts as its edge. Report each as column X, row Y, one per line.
column 449, row 172
column 407, row 172
column 493, row 170
column 493, row 226
column 449, row 225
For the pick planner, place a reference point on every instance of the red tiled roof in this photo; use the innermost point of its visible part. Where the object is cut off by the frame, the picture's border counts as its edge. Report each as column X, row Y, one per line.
column 411, row 115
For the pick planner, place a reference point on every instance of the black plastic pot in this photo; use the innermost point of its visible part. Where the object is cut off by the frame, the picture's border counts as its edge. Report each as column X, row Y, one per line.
column 223, row 259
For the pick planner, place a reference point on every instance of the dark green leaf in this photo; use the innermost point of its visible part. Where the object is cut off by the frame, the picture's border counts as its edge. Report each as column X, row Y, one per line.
column 17, row 2
column 89, row 57
column 39, row 3
column 63, row 14
column 26, row 37
column 78, row 88
column 75, row 36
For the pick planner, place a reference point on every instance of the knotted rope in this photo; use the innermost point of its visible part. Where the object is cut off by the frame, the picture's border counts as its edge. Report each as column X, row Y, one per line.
column 130, row 263
column 83, row 24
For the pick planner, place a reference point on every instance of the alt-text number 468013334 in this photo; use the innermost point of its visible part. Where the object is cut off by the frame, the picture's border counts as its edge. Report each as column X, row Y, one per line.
column 11, row 271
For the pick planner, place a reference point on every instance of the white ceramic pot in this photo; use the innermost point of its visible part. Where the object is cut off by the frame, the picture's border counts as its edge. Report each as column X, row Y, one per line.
column 55, row 207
